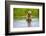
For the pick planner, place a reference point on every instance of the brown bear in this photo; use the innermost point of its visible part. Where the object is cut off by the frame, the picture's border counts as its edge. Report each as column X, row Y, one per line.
column 29, row 17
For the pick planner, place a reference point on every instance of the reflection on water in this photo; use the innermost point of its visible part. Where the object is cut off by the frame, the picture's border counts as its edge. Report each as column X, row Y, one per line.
column 23, row 23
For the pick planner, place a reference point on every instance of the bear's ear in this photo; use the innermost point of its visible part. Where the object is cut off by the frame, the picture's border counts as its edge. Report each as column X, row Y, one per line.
column 29, row 11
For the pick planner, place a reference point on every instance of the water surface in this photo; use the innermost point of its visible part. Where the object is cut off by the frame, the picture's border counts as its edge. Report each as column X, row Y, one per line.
column 23, row 23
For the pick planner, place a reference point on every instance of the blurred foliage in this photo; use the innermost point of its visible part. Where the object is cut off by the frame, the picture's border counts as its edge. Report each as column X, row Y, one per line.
column 23, row 11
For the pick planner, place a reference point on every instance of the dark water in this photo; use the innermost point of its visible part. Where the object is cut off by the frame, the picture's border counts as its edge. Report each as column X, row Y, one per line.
column 23, row 23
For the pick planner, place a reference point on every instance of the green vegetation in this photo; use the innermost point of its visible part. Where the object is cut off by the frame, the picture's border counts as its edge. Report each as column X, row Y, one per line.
column 19, row 12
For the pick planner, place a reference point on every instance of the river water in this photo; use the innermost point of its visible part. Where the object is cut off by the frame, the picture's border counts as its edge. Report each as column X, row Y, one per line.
column 23, row 23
